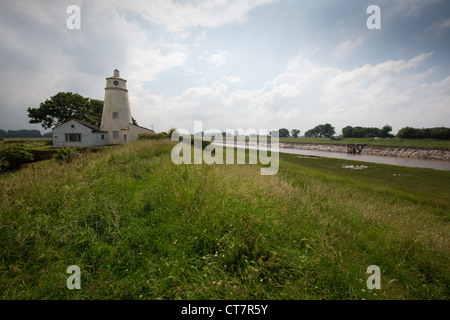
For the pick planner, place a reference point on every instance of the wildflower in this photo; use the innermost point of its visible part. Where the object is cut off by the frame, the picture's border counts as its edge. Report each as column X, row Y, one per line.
column 180, row 290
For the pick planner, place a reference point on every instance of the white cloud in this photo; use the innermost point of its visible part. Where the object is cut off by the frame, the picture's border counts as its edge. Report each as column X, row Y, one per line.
column 392, row 92
column 232, row 79
column 346, row 48
column 177, row 16
column 217, row 59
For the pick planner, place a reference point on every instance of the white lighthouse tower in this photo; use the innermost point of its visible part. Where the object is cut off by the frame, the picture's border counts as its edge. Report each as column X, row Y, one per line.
column 116, row 117
column 116, row 126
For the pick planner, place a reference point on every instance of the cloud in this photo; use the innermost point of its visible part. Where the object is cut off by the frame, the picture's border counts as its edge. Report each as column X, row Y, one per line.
column 232, row 79
column 217, row 59
column 346, row 48
column 177, row 16
column 307, row 94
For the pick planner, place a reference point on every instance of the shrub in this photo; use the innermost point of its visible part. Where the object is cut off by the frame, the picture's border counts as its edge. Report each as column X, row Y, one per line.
column 70, row 154
column 14, row 155
column 154, row 136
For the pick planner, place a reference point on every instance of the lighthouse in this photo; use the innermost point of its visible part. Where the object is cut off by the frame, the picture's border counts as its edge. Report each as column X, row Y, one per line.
column 116, row 116
column 116, row 126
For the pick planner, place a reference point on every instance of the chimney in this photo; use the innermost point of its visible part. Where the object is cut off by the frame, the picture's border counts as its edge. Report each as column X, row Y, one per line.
column 116, row 74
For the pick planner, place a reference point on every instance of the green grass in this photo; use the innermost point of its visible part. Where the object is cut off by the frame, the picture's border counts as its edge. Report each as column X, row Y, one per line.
column 140, row 227
column 30, row 143
column 421, row 143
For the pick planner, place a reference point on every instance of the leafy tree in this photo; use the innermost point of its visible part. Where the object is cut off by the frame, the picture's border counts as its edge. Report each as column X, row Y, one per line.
column 65, row 106
column 385, row 132
column 321, row 131
column 283, row 133
column 440, row 133
column 295, row 133
column 347, row 132
column 424, row 133
column 328, row 130
column 408, row 133
column 370, row 132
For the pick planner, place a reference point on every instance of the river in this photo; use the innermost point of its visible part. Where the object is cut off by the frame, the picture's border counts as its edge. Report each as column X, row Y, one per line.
column 395, row 161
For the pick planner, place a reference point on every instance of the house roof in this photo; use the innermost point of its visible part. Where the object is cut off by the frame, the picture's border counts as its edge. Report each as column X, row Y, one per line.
column 86, row 124
column 142, row 127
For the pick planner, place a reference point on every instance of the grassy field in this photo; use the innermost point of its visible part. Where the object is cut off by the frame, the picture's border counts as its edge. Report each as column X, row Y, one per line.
column 421, row 143
column 30, row 143
column 140, row 227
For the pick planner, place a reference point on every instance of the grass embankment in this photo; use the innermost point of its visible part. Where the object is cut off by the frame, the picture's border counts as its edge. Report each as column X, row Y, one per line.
column 140, row 227
column 419, row 143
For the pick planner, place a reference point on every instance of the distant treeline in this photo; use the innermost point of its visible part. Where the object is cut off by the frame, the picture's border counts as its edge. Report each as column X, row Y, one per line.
column 24, row 134
column 441, row 133
column 361, row 132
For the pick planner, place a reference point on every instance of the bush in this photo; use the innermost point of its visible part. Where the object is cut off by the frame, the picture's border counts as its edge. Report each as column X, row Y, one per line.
column 441, row 133
column 14, row 155
column 70, row 154
column 154, row 136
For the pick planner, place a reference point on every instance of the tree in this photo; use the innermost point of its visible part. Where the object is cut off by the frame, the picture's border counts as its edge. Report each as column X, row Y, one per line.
column 321, row 131
column 370, row 132
column 328, row 130
column 408, row 133
column 347, row 132
column 295, row 133
column 424, row 133
column 385, row 132
column 283, row 133
column 65, row 106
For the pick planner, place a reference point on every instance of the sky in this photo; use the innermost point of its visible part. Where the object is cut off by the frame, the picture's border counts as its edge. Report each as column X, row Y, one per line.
column 233, row 64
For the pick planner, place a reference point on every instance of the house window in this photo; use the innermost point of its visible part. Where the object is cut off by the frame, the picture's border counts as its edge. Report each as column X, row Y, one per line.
column 115, row 134
column 103, row 137
column 115, row 115
column 73, row 137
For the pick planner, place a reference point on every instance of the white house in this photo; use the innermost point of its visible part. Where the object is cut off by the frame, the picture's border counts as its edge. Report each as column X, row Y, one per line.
column 76, row 133
column 116, row 125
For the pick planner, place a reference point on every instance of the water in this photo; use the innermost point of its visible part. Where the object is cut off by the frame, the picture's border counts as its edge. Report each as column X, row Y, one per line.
column 395, row 161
